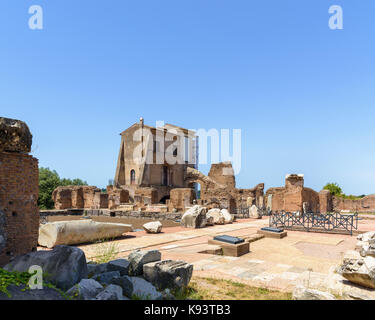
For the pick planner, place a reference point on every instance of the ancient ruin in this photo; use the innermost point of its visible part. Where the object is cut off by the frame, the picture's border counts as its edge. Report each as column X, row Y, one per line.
column 19, row 213
column 295, row 197
column 163, row 191
column 156, row 146
column 77, row 197
column 155, row 187
column 218, row 189
column 292, row 197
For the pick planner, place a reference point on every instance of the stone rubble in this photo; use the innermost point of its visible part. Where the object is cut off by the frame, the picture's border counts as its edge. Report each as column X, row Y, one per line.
column 366, row 244
column 86, row 289
column 63, row 266
column 106, row 277
column 67, row 269
column 227, row 216
column 93, row 269
column 153, row 227
column 302, row 293
column 168, row 274
column 125, row 283
column 195, row 217
column 139, row 258
column 217, row 216
column 121, row 265
column 112, row 292
column 144, row 290
column 357, row 269
column 255, row 212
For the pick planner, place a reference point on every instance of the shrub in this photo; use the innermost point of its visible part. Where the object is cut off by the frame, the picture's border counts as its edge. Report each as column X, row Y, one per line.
column 333, row 188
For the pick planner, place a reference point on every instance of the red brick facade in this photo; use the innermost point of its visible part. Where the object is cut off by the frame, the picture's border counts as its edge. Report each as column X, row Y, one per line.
column 18, row 202
column 291, row 197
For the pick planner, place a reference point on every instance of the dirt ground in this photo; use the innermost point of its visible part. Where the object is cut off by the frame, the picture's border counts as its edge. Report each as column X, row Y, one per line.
column 135, row 222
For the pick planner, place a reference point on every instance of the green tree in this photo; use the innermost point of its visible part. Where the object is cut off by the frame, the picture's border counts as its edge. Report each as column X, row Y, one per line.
column 74, row 182
column 49, row 180
column 334, row 188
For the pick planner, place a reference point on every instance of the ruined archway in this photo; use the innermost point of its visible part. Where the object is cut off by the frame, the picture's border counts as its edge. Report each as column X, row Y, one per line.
column 228, row 196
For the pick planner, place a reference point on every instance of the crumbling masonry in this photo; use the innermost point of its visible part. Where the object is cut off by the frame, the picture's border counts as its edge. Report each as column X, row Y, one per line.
column 218, row 190
column 294, row 197
column 163, row 187
column 19, row 213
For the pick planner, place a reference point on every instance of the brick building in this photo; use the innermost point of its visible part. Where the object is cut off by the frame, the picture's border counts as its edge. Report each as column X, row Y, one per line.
column 167, row 152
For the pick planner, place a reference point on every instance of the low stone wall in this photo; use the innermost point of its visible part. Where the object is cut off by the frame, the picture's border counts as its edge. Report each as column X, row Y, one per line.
column 148, row 215
column 111, row 213
column 366, row 204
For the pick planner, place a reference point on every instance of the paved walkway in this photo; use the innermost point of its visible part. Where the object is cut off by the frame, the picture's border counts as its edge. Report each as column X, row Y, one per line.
column 300, row 258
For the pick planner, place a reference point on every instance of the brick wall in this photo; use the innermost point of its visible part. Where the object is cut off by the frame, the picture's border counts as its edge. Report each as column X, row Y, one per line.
column 145, row 196
column 312, row 198
column 366, row 204
column 180, row 198
column 79, row 197
column 291, row 197
column 117, row 196
column 62, row 198
column 223, row 173
column 18, row 203
column 325, row 201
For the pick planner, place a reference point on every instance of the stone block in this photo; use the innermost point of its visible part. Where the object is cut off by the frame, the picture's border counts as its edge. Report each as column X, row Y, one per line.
column 232, row 250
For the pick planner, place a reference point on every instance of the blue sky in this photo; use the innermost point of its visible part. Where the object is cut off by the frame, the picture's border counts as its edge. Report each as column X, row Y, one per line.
column 302, row 94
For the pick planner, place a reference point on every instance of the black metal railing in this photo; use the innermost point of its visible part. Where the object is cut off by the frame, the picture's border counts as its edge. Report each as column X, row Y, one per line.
column 242, row 212
column 315, row 222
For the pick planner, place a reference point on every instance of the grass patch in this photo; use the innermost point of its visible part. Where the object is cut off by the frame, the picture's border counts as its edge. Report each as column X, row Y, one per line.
column 106, row 251
column 220, row 289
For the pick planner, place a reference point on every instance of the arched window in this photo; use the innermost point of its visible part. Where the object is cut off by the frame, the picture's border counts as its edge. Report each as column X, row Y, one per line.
column 132, row 177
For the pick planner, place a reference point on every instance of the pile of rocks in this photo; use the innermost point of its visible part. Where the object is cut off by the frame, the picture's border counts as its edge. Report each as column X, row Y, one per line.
column 359, row 266
column 220, row 216
column 142, row 276
column 366, row 244
column 198, row 217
